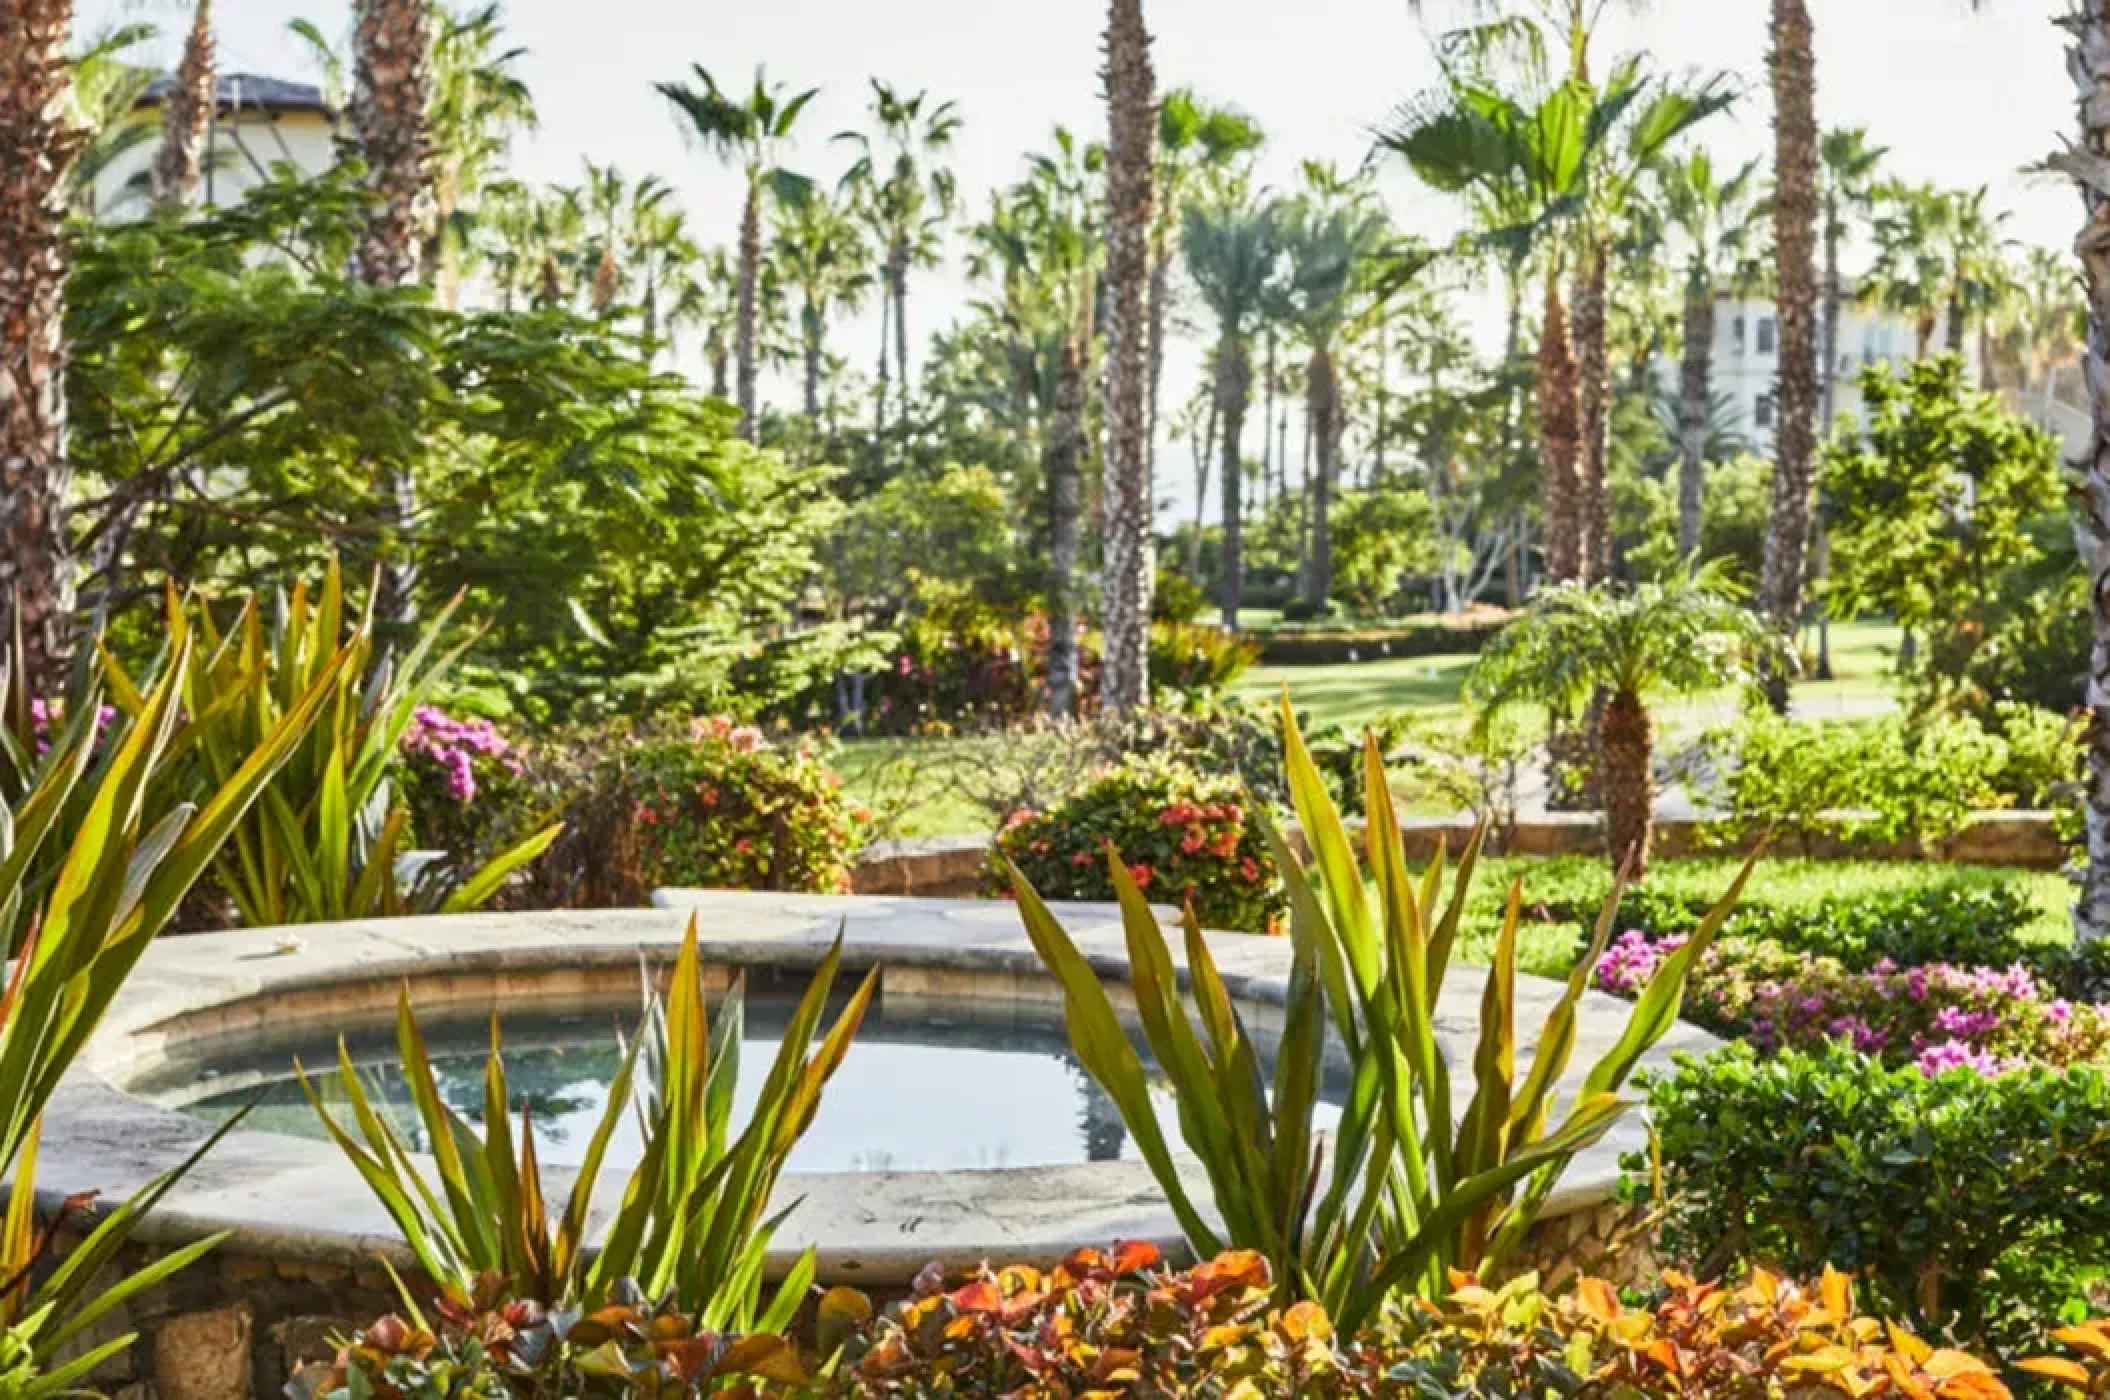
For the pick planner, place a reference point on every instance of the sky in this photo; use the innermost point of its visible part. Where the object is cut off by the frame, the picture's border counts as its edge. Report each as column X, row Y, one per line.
column 1959, row 97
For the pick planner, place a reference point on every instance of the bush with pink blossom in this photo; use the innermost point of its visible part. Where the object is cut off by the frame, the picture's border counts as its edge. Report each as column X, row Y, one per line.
column 463, row 780
column 1937, row 1016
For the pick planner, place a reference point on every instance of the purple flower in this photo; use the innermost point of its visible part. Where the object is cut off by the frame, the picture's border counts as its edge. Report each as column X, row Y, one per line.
column 1955, row 1055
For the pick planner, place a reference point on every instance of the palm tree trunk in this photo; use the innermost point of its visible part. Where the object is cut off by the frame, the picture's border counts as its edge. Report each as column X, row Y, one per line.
column 1065, row 455
column 1377, row 437
column 1954, row 330
column 814, row 330
column 721, row 365
column 1204, row 458
column 1695, row 374
column 2088, row 59
column 186, row 116
column 391, row 94
column 1629, row 782
column 1160, row 291
column 897, row 279
column 1794, row 73
column 746, row 323
column 1322, row 400
column 879, row 394
column 1270, row 458
column 1834, row 304
column 1557, row 440
column 1131, row 550
column 1234, row 383
column 37, row 147
column 1594, row 418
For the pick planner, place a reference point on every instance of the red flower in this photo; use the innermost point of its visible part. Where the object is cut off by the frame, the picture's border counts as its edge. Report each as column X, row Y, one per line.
column 744, row 846
column 1250, row 870
column 1142, row 874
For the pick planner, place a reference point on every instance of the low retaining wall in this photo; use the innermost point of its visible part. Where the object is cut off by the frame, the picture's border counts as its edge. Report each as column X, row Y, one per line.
column 952, row 866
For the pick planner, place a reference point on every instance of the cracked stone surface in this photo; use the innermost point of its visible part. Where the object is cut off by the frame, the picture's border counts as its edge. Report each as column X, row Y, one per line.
column 296, row 1199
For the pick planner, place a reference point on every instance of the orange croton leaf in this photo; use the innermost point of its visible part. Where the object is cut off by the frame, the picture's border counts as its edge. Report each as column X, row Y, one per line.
column 1134, row 1256
column 2058, row 1368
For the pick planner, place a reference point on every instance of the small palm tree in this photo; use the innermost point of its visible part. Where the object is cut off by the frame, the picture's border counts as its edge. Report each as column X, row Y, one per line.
column 1232, row 249
column 751, row 133
column 186, row 116
column 1848, row 173
column 1688, row 633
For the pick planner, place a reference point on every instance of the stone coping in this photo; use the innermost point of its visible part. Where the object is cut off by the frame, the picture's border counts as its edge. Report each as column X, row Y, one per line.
column 298, row 1199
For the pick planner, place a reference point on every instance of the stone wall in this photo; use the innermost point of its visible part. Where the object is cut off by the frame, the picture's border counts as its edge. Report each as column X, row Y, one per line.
column 239, row 1326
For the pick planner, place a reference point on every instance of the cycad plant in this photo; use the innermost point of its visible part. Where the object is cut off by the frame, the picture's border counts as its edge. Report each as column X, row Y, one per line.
column 694, row 1223
column 323, row 841
column 118, row 862
column 1686, row 633
column 1406, row 1187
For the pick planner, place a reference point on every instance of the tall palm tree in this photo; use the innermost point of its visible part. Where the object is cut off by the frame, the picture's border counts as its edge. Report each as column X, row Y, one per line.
column 1718, row 217
column 1130, row 547
column 186, row 117
column 1197, row 142
column 750, row 133
column 1976, row 252
column 390, row 107
column 478, row 104
column 1232, row 246
column 2041, row 325
column 821, row 255
column 107, row 88
column 1328, row 256
column 37, row 147
column 1910, row 274
column 2087, row 162
column 1792, row 66
column 1847, row 168
column 905, row 196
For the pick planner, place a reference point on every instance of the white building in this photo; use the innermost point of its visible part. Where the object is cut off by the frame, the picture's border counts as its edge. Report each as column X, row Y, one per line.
column 1746, row 369
column 260, row 122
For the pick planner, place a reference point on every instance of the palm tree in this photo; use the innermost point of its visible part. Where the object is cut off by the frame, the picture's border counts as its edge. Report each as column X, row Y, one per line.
column 1718, row 218
column 1328, row 254
column 1977, row 264
column 1686, row 634
column 1197, row 142
column 37, row 147
column 2041, row 324
column 186, row 117
column 2087, row 163
column 478, row 104
column 107, row 88
column 1792, row 65
column 1232, row 247
column 750, row 133
column 1848, row 166
column 1910, row 275
column 905, row 197
column 1130, row 548
column 821, row 255
column 391, row 98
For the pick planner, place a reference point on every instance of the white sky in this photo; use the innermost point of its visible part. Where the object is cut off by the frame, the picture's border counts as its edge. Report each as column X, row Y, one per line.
column 1960, row 98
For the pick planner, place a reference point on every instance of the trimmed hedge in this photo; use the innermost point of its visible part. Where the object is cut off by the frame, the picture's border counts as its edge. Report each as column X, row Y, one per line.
column 1425, row 636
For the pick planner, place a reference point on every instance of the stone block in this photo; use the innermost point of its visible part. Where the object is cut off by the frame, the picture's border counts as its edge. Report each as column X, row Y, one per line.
column 309, row 1339
column 204, row 1356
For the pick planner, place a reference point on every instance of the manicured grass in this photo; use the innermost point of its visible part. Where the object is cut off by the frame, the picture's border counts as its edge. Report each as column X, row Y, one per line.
column 1548, row 945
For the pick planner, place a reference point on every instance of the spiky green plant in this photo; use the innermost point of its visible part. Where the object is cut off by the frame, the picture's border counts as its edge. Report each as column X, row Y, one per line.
column 694, row 1222
column 323, row 842
column 1404, row 1188
column 126, row 862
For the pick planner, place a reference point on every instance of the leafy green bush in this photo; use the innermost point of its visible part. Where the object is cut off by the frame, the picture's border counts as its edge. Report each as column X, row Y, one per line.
column 1967, row 1201
column 1882, row 780
column 461, row 779
column 1333, row 645
column 1185, row 839
column 2045, row 755
column 720, row 806
column 1194, row 662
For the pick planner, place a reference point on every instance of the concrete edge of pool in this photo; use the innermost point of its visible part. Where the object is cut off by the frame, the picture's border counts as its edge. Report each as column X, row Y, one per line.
column 299, row 1203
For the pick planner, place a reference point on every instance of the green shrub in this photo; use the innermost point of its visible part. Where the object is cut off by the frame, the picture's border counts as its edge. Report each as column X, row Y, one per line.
column 2045, row 755
column 1320, row 645
column 1969, row 1202
column 1883, row 780
column 1194, row 662
column 721, row 807
column 1185, row 839
column 462, row 778
column 1176, row 598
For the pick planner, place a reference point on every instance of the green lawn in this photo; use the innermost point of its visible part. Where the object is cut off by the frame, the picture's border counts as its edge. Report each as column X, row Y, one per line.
column 925, row 785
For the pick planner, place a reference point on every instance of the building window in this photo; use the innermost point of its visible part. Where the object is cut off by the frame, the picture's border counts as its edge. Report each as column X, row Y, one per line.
column 1762, row 411
column 1765, row 335
column 1736, row 334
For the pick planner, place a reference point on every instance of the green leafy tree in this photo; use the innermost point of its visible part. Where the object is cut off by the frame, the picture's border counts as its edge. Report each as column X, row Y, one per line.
column 1685, row 634
column 1931, row 508
column 1381, row 535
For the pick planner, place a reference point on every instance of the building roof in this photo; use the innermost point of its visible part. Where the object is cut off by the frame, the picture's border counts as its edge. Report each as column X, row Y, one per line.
column 249, row 92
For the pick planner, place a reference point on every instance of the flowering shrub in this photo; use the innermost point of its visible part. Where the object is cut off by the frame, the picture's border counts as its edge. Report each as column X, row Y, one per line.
column 47, row 717
column 720, row 806
column 1938, row 1016
column 1969, row 1202
column 1185, row 839
column 461, row 777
